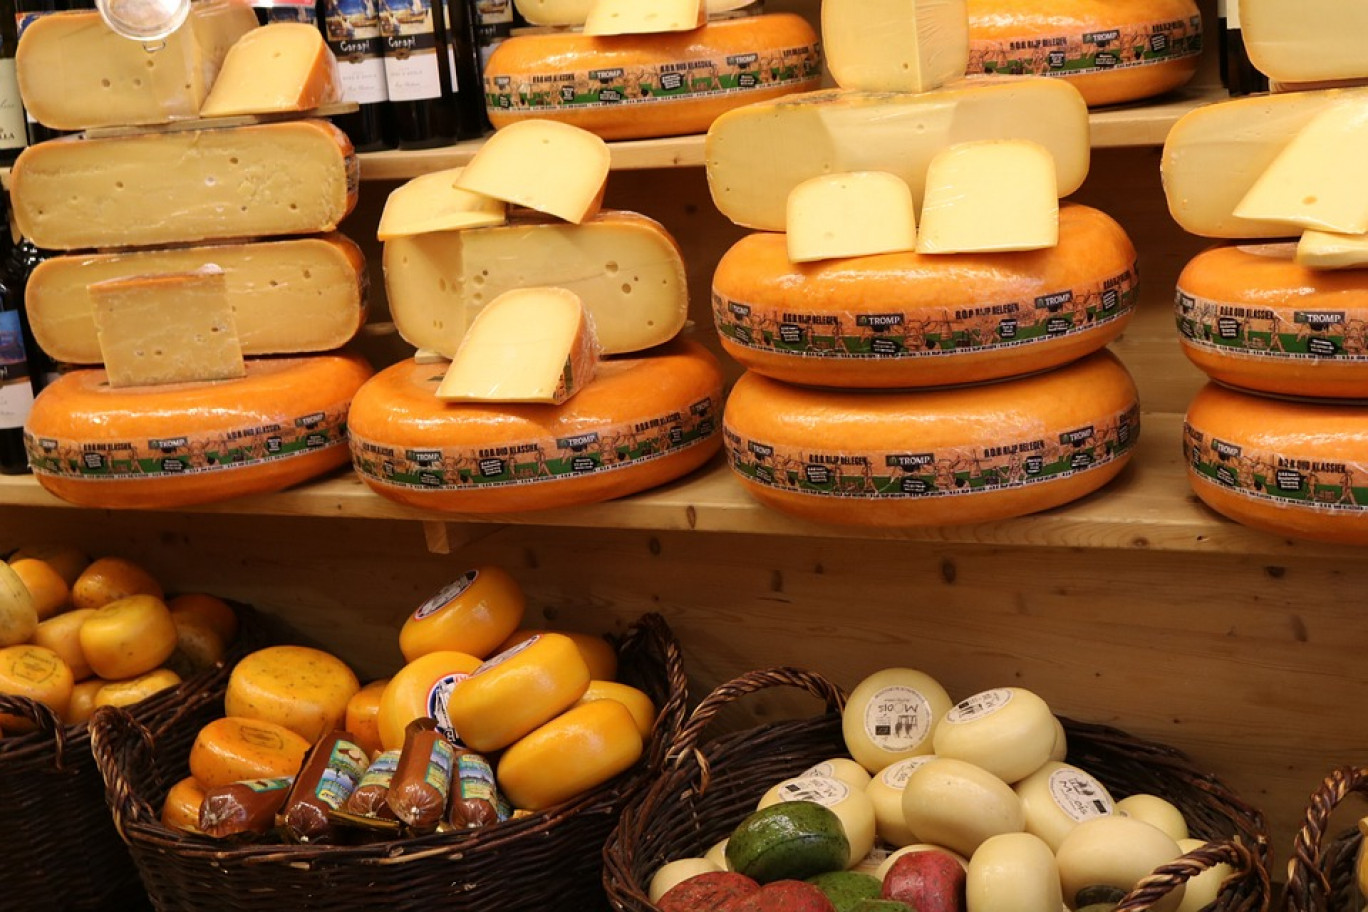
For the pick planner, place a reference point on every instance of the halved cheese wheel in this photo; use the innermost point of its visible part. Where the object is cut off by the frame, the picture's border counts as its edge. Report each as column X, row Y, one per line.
column 1110, row 50
column 1287, row 467
column 935, row 457
column 908, row 319
column 638, row 86
column 642, row 422
column 189, row 443
column 1251, row 317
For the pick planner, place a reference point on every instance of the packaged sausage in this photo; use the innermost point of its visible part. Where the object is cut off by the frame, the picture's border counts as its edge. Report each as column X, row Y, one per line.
column 369, row 798
column 418, row 793
column 475, row 797
column 330, row 774
column 245, row 808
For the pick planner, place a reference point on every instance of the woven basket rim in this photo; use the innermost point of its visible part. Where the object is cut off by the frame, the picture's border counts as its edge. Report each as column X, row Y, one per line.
column 1322, row 875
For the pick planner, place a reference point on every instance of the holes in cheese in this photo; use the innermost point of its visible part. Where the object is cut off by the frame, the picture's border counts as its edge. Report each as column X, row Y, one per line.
column 1310, row 41
column 1008, row 731
column 474, row 614
column 75, row 72
column 958, row 805
column 989, row 196
column 895, row 45
column 18, row 614
column 232, row 750
column 1058, row 797
column 936, row 457
column 551, row 167
column 526, row 345
column 128, row 637
column 1327, row 250
column 640, row 86
column 758, row 154
column 1013, row 872
column 626, row 268
column 1110, row 50
column 852, row 806
column 294, row 177
column 578, row 750
column 632, row 17
column 300, row 688
column 850, row 215
column 189, row 443
column 1108, row 856
column 38, row 674
column 61, row 634
column 422, row 689
column 642, row 422
column 891, row 716
column 433, row 202
column 278, row 68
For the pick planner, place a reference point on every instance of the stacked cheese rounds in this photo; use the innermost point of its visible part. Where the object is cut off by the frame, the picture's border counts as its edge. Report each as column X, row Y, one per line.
column 207, row 345
column 1277, row 315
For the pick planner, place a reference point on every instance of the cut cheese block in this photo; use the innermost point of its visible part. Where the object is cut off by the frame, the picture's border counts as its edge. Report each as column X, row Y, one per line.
column 1110, row 50
column 895, row 45
column 527, row 345
column 75, row 72
column 906, row 319
column 1326, row 250
column 194, row 185
column 1214, row 155
column 187, row 443
column 279, row 68
column 1250, row 316
column 993, row 195
column 433, row 202
column 1305, row 184
column 933, row 458
column 291, row 296
column 1306, row 41
column 626, row 269
column 172, row 328
column 544, row 165
column 632, row 17
column 1290, row 468
column 847, row 215
column 757, row 155
column 644, row 421
column 635, row 86
column 574, row 12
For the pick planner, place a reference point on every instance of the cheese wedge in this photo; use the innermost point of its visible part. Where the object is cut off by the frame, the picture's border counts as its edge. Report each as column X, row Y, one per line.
column 547, row 166
column 1325, row 250
column 895, row 45
column 575, row 12
column 632, row 17
column 433, row 202
column 847, row 215
column 278, row 68
column 1306, row 41
column 990, row 196
column 528, row 345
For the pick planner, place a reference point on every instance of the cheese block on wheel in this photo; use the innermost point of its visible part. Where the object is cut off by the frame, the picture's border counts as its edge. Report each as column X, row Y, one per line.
column 625, row 267
column 433, row 202
column 1250, row 316
column 644, row 421
column 908, row 319
column 758, row 154
column 844, row 215
column 987, row 196
column 895, row 45
column 186, row 443
column 1328, row 250
column 1293, row 468
column 75, row 72
column 282, row 67
column 181, row 187
column 543, row 165
column 574, row 12
column 639, row 86
column 290, row 296
column 933, row 457
column 1306, row 41
column 1110, row 50
column 632, row 17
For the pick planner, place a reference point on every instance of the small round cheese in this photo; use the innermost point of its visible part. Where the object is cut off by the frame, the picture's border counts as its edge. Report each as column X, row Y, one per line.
column 82, row 703
column 959, row 805
column 1058, row 797
column 473, row 614
column 182, row 807
column 1115, row 852
column 843, row 768
column 718, row 855
column 135, row 690
column 891, row 716
column 886, row 792
column 37, row 673
column 891, row 857
column 676, row 872
column 641, row 707
column 304, row 689
column 1061, row 742
column 209, row 610
column 50, row 592
column 421, row 689
column 1013, row 872
column 1010, row 732
column 1157, row 813
column 1201, row 891
column 362, row 717
column 852, row 806
column 110, row 579
column 62, row 634
column 579, row 749
column 128, row 637
column 230, row 749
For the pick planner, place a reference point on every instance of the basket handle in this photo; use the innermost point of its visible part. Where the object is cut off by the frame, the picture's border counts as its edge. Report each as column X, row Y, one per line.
column 652, row 629
column 41, row 715
column 1307, row 880
column 1166, row 878
column 119, row 742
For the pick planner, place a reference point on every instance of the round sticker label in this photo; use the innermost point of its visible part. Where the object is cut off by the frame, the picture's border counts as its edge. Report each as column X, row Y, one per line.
column 1078, row 795
column 437, row 699
column 896, row 775
column 821, row 790
column 898, row 718
column 979, row 706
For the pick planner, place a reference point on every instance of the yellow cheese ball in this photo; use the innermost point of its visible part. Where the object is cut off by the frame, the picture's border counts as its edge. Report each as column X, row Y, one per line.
column 637, row 702
column 420, row 689
column 36, row 673
column 50, row 592
column 363, row 716
column 304, row 689
column 67, row 560
column 82, row 703
column 128, row 637
column 110, row 579
column 597, row 652
column 582, row 748
column 135, row 690
column 198, row 646
column 230, row 750
column 473, row 615
column 208, row 610
column 182, row 807
column 62, row 634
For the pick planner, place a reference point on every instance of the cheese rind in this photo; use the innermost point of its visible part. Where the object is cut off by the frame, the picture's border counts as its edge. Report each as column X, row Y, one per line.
column 1306, row 41
column 632, row 17
column 433, row 202
column 279, row 68
column 1327, row 250
column 576, row 751
column 297, row 687
column 551, row 167
column 848, row 215
column 990, row 196
column 895, row 45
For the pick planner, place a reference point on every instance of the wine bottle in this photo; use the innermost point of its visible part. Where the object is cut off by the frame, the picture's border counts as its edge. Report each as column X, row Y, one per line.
column 421, row 90
column 18, row 266
column 495, row 21
column 13, row 126
column 16, row 386
column 25, row 11
column 352, row 30
column 1237, row 74
column 467, row 82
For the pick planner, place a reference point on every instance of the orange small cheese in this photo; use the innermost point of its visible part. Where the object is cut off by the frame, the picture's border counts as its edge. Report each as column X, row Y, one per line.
column 83, row 700
column 62, row 634
column 300, row 688
column 182, row 807
column 36, row 673
column 135, row 690
column 597, row 652
column 209, row 610
column 363, row 716
column 582, row 748
column 110, row 579
column 50, row 592
column 128, row 637
column 637, row 702
column 230, row 750
column 420, row 689
column 473, row 614
column 67, row 560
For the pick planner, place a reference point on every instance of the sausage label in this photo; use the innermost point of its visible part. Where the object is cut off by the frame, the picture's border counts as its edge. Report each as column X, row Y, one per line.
column 1242, row 330
column 1281, row 478
column 1097, row 51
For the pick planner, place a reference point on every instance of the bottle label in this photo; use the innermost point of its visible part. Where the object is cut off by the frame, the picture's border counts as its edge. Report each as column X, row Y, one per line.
column 16, row 387
column 1132, row 45
column 411, row 67
column 494, row 12
column 13, row 133
column 1251, row 332
column 353, row 33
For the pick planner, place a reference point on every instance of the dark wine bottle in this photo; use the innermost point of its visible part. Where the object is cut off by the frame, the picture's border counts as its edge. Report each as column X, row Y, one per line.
column 16, row 385
column 352, row 30
column 13, row 126
column 1238, row 75
column 18, row 266
column 467, row 80
column 421, row 90
column 25, row 11
column 495, row 21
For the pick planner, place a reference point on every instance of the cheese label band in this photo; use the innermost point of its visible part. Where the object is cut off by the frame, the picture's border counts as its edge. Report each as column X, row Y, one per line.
column 874, row 336
column 1256, row 332
column 1090, row 52
column 543, row 461
column 898, row 718
column 198, row 454
column 1275, row 478
column 642, row 83
column 948, row 472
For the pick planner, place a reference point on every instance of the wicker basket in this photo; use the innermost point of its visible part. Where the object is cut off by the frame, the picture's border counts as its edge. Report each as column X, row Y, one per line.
column 706, row 789
column 1322, row 876
column 60, row 848
column 549, row 860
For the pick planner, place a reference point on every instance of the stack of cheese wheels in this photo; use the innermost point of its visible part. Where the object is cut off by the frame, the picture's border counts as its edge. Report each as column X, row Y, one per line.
column 1277, row 315
column 173, row 401
column 548, row 372
column 624, row 69
column 929, row 370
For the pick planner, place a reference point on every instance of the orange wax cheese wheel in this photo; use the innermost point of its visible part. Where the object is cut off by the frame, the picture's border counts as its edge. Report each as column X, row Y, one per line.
column 110, row 579
column 474, row 614
column 189, row 443
column 671, row 83
column 1287, row 467
column 128, row 637
column 62, row 634
column 1249, row 316
column 645, row 420
column 363, row 716
column 598, row 653
column 209, row 610
column 82, row 703
column 641, row 707
column 913, row 320
column 422, row 689
column 18, row 616
column 36, row 673
column 933, row 457
column 67, row 560
column 135, row 690
column 1110, row 50
column 49, row 591
column 581, row 748
column 182, row 807
column 301, row 688
column 231, row 750
column 517, row 691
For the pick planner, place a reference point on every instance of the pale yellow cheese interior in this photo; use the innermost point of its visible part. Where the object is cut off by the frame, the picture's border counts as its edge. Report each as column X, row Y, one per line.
column 895, row 45
column 433, row 202
column 280, row 67
column 1325, row 250
column 633, row 17
column 989, row 196
column 551, row 167
column 854, row 214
